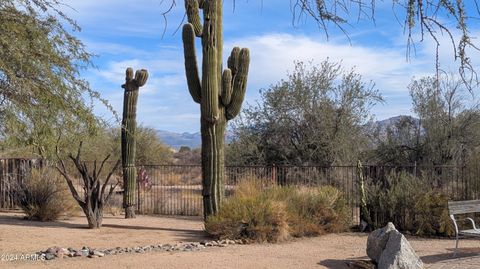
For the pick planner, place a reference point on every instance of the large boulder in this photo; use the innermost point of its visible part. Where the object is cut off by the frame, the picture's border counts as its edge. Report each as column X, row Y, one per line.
column 389, row 249
column 399, row 254
column 377, row 240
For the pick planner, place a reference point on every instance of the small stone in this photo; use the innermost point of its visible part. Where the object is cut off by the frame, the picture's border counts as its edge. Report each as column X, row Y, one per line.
column 230, row 242
column 49, row 256
column 52, row 250
column 79, row 253
column 98, row 253
column 62, row 252
column 239, row 241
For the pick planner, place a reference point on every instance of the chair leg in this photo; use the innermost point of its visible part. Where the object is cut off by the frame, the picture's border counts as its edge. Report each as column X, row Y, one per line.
column 456, row 246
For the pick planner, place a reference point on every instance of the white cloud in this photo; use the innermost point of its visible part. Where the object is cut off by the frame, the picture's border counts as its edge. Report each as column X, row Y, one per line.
column 165, row 102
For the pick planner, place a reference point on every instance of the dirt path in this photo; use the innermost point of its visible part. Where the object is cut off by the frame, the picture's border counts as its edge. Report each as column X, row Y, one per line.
column 329, row 251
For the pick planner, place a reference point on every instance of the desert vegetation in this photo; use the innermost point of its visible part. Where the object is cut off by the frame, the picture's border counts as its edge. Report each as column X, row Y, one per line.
column 44, row 196
column 287, row 169
column 269, row 213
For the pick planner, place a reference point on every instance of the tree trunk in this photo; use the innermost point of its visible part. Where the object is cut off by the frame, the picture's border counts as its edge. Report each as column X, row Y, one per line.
column 213, row 168
column 94, row 217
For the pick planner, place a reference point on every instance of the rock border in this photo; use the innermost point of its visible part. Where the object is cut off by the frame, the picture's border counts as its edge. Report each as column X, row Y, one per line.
column 53, row 253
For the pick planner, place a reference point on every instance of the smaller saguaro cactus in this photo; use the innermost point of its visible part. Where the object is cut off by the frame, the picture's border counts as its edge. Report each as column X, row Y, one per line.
column 129, row 126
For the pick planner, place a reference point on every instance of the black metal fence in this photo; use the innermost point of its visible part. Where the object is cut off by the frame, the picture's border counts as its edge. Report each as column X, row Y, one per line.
column 177, row 190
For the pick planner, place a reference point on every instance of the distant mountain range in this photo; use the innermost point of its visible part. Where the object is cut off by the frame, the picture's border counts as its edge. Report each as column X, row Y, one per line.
column 176, row 140
column 194, row 140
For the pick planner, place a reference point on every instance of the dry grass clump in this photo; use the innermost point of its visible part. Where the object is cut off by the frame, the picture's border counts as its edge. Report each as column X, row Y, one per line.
column 44, row 196
column 272, row 214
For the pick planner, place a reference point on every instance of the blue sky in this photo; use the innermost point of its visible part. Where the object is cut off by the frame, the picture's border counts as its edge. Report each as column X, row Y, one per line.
column 129, row 33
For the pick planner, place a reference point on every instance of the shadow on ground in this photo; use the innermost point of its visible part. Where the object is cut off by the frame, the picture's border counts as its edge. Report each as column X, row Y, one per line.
column 462, row 253
column 186, row 234
column 362, row 262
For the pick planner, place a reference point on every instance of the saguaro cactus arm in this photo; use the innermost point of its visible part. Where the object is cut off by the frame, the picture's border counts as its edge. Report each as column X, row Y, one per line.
column 192, row 8
column 191, row 68
column 131, row 83
column 239, row 84
column 226, row 96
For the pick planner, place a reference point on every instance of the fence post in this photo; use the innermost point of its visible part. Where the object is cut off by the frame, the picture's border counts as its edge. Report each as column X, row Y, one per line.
column 274, row 174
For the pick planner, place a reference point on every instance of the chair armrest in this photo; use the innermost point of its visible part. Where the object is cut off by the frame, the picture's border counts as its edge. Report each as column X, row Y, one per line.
column 473, row 223
column 464, row 220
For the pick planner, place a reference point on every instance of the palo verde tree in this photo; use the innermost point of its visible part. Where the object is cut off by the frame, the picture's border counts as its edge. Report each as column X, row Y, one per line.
column 129, row 126
column 40, row 92
column 422, row 19
column 220, row 93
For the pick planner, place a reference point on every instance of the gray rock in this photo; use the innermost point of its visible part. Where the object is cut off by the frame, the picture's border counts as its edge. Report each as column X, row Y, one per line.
column 399, row 254
column 377, row 240
column 98, row 253
column 62, row 252
column 49, row 256
column 52, row 250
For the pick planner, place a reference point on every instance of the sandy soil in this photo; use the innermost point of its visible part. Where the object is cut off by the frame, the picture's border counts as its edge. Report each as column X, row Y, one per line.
column 329, row 251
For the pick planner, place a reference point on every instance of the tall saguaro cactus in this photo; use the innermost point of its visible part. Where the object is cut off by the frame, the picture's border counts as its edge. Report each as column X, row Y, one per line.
column 129, row 126
column 220, row 94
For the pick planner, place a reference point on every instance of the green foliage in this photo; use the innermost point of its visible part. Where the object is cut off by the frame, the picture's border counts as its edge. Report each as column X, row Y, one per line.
column 432, row 215
column 44, row 196
column 423, row 19
column 42, row 96
column 411, row 203
column 150, row 149
column 272, row 213
column 447, row 131
column 314, row 117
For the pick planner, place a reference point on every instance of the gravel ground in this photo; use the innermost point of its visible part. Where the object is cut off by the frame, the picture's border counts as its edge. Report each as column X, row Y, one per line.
column 18, row 236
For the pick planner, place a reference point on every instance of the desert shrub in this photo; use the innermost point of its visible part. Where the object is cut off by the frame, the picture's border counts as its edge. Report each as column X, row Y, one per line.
column 44, row 196
column 411, row 203
column 265, row 213
column 431, row 215
column 316, row 211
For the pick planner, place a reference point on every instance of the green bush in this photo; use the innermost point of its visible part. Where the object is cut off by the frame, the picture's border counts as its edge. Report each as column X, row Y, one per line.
column 44, row 196
column 409, row 202
column 272, row 214
column 431, row 215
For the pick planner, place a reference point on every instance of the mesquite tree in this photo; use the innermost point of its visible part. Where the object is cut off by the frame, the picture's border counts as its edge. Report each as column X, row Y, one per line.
column 94, row 195
column 129, row 126
column 220, row 95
